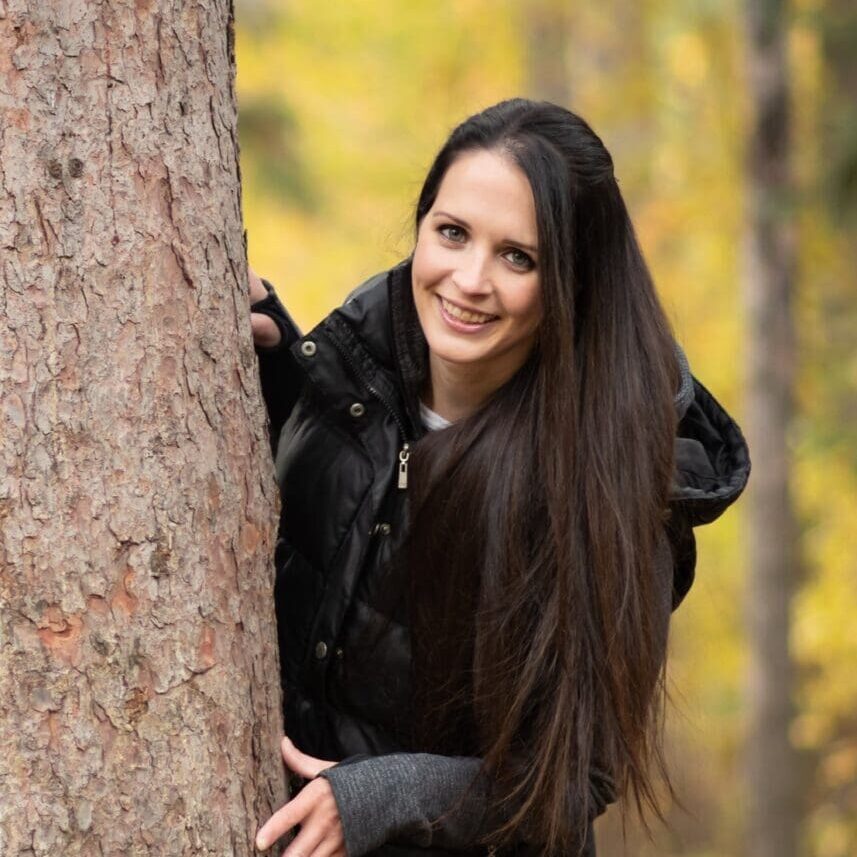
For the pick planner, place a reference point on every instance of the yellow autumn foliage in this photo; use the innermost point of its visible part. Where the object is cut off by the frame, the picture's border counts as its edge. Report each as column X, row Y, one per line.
column 349, row 101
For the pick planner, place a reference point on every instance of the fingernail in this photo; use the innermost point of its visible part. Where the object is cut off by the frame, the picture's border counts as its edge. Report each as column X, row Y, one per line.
column 261, row 843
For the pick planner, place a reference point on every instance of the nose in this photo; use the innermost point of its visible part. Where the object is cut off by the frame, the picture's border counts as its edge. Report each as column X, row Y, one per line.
column 472, row 276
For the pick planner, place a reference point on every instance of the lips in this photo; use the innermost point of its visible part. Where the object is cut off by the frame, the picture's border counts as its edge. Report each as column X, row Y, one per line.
column 466, row 316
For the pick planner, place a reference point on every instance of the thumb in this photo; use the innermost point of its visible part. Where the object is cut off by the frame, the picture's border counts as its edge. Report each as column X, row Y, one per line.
column 302, row 764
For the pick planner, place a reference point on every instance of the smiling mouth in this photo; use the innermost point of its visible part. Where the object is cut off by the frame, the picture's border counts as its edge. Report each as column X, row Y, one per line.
column 465, row 315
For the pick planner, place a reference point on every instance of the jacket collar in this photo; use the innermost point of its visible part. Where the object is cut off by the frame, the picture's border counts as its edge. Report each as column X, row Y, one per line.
column 379, row 336
column 409, row 343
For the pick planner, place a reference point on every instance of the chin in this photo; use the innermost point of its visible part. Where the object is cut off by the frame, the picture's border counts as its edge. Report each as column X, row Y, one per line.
column 457, row 347
column 453, row 352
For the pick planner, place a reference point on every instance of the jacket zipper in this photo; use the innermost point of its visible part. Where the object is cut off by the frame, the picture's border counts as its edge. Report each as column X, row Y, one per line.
column 404, row 452
column 404, row 455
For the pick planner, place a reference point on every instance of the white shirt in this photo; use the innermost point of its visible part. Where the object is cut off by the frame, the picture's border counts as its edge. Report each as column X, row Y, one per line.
column 431, row 420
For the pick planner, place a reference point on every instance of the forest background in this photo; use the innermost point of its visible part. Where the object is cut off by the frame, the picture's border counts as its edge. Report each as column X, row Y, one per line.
column 342, row 106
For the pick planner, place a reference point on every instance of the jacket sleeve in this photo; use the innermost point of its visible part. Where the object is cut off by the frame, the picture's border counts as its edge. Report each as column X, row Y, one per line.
column 279, row 374
column 421, row 799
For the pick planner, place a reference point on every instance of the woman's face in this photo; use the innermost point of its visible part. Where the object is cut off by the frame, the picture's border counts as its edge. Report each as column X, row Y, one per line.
column 475, row 266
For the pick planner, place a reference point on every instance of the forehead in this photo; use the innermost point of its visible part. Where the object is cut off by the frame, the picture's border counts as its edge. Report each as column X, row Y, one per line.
column 489, row 191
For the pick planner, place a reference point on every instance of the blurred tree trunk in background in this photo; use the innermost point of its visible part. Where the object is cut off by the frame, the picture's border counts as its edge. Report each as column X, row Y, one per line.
column 611, row 74
column 773, row 774
column 839, row 186
column 839, row 30
column 547, row 70
column 138, row 668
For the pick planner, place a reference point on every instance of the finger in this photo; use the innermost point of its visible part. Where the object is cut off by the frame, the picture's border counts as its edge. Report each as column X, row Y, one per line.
column 307, row 841
column 327, row 815
column 284, row 819
column 265, row 330
column 301, row 763
column 330, row 846
column 257, row 287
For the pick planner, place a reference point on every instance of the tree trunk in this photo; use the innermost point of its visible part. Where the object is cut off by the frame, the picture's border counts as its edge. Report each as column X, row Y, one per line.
column 772, row 764
column 547, row 43
column 594, row 59
column 138, row 667
column 838, row 133
column 838, row 147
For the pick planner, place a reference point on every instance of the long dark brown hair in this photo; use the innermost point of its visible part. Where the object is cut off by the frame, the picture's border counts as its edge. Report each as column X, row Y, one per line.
column 539, row 627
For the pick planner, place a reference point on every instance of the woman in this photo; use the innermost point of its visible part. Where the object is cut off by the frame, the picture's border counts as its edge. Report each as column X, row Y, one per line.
column 491, row 459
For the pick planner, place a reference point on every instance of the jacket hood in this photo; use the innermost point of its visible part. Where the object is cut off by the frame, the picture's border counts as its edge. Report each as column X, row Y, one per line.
column 712, row 462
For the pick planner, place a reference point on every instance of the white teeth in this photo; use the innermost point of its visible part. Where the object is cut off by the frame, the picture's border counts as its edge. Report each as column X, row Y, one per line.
column 465, row 315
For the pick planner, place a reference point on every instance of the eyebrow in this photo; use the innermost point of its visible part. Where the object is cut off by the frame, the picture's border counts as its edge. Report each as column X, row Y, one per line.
column 466, row 225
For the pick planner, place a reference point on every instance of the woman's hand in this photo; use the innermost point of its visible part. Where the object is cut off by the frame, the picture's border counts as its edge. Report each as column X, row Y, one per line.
column 313, row 808
column 265, row 330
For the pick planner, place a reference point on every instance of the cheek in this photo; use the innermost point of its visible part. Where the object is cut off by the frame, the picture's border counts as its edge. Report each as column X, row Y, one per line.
column 525, row 304
column 432, row 262
column 424, row 267
column 423, row 278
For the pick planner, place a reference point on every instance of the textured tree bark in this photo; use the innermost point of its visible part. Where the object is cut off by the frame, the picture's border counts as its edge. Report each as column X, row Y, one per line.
column 139, row 684
column 772, row 764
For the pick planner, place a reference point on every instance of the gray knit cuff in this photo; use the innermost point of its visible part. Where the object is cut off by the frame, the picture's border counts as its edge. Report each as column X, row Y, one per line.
column 684, row 396
column 402, row 796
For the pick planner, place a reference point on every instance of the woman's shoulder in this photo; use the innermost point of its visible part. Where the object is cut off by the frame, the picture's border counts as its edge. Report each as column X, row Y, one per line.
column 368, row 290
column 367, row 313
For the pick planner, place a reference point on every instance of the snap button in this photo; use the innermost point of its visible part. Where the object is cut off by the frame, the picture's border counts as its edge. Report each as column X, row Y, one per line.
column 357, row 410
column 308, row 348
column 385, row 529
column 321, row 650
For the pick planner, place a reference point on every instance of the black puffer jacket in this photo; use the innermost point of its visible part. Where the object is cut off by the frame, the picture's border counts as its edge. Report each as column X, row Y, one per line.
column 344, row 408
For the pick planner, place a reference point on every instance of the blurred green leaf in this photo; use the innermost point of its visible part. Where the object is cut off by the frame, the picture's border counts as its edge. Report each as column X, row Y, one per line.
column 268, row 132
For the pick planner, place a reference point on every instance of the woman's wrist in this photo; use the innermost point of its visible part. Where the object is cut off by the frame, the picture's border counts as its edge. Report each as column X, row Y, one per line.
column 401, row 797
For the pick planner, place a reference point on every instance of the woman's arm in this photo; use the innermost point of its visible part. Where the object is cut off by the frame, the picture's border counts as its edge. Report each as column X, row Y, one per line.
column 418, row 799
column 423, row 799
column 402, row 796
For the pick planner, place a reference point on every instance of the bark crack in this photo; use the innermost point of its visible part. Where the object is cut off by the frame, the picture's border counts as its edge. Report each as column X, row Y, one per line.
column 45, row 225
column 110, row 80
column 161, row 75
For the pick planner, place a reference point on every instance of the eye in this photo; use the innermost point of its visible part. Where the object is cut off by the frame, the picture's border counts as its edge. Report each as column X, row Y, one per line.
column 521, row 260
column 452, row 232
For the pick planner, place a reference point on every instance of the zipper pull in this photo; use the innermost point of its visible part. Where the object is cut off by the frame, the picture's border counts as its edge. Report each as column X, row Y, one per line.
column 404, row 455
